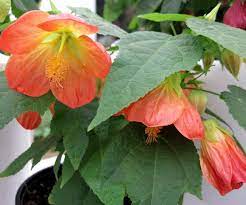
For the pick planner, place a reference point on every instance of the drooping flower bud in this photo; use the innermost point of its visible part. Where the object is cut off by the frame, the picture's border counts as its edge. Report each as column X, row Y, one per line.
column 236, row 15
column 207, row 60
column 231, row 61
column 29, row 120
column 223, row 163
column 198, row 99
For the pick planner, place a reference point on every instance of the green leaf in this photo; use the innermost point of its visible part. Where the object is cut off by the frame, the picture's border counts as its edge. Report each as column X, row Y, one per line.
column 154, row 174
column 147, row 6
column 67, row 171
column 145, row 60
column 233, row 39
column 235, row 99
column 105, row 27
column 72, row 125
column 19, row 7
column 157, row 17
column 57, row 165
column 4, row 9
column 12, row 104
column 38, row 148
column 75, row 192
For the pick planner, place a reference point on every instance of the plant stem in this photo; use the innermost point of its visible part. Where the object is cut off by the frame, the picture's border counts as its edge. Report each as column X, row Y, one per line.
column 173, row 29
column 207, row 91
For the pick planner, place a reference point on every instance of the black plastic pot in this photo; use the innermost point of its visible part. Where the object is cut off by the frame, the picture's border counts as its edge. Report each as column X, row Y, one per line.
column 36, row 189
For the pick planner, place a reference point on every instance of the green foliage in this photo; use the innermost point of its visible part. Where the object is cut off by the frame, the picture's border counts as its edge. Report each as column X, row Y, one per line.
column 12, row 104
column 157, row 17
column 147, row 6
column 154, row 174
column 67, row 171
column 145, row 60
column 44, row 128
column 231, row 38
column 37, row 149
column 75, row 192
column 105, row 27
column 72, row 125
column 4, row 9
column 235, row 99
column 19, row 7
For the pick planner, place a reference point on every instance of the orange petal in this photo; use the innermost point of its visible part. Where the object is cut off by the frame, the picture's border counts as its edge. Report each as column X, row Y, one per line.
column 29, row 120
column 68, row 22
column 157, row 108
column 94, row 57
column 23, row 35
column 26, row 73
column 189, row 123
column 77, row 89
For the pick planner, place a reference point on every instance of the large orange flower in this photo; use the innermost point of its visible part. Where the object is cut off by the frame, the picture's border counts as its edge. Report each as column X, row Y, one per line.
column 53, row 52
column 166, row 105
column 223, row 162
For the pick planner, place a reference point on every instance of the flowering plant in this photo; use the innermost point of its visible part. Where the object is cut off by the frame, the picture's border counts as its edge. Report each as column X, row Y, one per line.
column 127, row 128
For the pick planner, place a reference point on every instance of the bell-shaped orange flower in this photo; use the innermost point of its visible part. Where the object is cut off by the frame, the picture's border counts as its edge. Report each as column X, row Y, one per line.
column 29, row 120
column 166, row 105
column 223, row 163
column 53, row 52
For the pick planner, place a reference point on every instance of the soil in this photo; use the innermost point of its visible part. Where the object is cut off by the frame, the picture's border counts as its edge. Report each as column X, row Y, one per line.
column 36, row 190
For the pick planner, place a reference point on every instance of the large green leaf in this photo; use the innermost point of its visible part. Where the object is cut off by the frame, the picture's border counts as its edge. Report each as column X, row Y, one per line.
column 147, row 6
column 105, row 27
column 67, row 171
column 19, row 7
column 38, row 148
column 12, row 104
column 4, row 9
column 154, row 174
column 145, row 59
column 75, row 192
column 235, row 99
column 157, row 17
column 72, row 125
column 233, row 39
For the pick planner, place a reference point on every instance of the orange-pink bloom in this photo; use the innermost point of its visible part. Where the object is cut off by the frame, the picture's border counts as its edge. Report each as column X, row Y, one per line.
column 223, row 163
column 235, row 16
column 29, row 120
column 53, row 52
column 165, row 105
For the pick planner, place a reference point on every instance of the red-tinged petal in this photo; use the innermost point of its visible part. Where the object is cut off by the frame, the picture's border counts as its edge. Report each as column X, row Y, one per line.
column 24, row 35
column 157, row 108
column 26, row 73
column 77, row 89
column 68, row 22
column 189, row 124
column 94, row 57
column 236, row 15
column 29, row 120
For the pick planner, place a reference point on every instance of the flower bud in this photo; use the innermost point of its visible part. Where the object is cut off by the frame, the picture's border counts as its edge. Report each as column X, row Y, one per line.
column 231, row 61
column 211, row 16
column 198, row 99
column 208, row 60
column 223, row 163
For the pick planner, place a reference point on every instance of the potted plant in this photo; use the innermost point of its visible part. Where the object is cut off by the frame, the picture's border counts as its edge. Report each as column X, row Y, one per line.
column 127, row 129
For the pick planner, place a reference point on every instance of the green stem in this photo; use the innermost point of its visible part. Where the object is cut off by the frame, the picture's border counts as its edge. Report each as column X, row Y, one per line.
column 173, row 29
column 207, row 91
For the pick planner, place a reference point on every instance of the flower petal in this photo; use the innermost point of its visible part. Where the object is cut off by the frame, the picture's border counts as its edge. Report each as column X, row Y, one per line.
column 189, row 123
column 68, row 22
column 26, row 73
column 23, row 35
column 157, row 108
column 77, row 89
column 29, row 120
column 94, row 57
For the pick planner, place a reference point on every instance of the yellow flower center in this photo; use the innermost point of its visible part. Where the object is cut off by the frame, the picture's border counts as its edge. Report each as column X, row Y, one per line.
column 152, row 133
column 56, row 70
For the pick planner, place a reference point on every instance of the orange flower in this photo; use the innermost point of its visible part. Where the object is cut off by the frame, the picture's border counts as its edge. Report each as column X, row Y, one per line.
column 166, row 105
column 53, row 52
column 29, row 120
column 223, row 163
